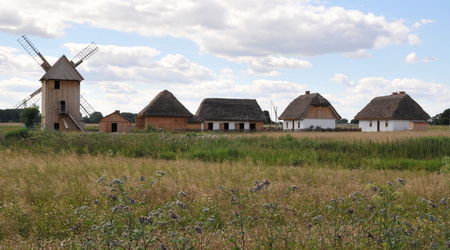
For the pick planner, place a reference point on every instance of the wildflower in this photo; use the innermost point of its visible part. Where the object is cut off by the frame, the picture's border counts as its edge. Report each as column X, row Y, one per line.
column 434, row 244
column 113, row 197
column 163, row 247
column 117, row 181
column 125, row 177
column 161, row 173
column 181, row 204
column 131, row 200
column 402, row 181
column 350, row 210
column 292, row 188
column 117, row 209
column 211, row 220
column 432, row 218
column 221, row 187
column 101, row 178
column 205, row 210
column 443, row 201
column 141, row 178
column 182, row 194
column 198, row 229
column 173, row 215
column 329, row 207
column 95, row 202
column 333, row 200
column 146, row 220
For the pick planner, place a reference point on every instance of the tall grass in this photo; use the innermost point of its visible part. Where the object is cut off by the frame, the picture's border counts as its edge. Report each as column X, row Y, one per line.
column 221, row 192
column 411, row 153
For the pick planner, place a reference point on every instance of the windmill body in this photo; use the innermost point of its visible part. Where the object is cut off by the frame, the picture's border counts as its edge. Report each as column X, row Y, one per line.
column 60, row 91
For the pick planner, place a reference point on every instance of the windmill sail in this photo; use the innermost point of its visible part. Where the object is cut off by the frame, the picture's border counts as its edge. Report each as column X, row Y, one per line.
column 29, row 100
column 34, row 52
column 84, row 54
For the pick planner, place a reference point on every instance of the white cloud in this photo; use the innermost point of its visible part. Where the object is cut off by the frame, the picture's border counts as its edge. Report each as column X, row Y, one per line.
column 225, row 28
column 361, row 53
column 422, row 22
column 117, row 87
column 412, row 58
column 342, row 79
column 269, row 65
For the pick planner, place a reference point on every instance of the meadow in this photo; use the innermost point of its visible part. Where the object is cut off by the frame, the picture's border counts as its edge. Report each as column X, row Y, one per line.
column 159, row 190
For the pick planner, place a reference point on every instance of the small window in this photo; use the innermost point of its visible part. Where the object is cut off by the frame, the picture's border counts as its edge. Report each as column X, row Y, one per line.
column 386, row 124
column 298, row 125
column 370, row 124
column 56, row 126
column 57, row 85
column 287, row 125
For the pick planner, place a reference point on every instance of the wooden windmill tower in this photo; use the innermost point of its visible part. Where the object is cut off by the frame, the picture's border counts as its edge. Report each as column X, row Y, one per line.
column 62, row 103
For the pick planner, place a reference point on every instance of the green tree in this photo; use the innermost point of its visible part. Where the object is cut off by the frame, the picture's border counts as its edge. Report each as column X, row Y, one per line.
column 342, row 121
column 442, row 118
column 30, row 116
column 268, row 120
column 94, row 118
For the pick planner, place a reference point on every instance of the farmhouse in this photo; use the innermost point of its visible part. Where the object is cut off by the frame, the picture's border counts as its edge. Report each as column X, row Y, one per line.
column 231, row 114
column 115, row 123
column 166, row 112
column 392, row 113
column 309, row 110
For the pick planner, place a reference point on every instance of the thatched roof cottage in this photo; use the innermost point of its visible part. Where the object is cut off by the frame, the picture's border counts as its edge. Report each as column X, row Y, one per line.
column 231, row 114
column 115, row 123
column 166, row 112
column 392, row 113
column 309, row 110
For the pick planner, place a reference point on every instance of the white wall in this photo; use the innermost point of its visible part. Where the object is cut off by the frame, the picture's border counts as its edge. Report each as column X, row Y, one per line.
column 307, row 123
column 232, row 125
column 392, row 125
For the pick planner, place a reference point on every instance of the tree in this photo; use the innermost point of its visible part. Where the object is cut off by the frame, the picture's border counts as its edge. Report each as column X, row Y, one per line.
column 442, row 118
column 342, row 121
column 268, row 120
column 30, row 116
column 95, row 117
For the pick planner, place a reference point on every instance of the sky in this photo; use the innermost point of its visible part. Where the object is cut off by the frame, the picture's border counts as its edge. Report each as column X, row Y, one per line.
column 349, row 51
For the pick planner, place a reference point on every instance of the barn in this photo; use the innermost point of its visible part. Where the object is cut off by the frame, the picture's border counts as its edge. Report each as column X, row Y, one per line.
column 115, row 123
column 167, row 113
column 394, row 112
column 231, row 114
column 307, row 111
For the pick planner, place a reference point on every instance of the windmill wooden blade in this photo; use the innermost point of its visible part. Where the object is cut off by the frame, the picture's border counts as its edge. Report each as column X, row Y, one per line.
column 84, row 54
column 34, row 52
column 30, row 100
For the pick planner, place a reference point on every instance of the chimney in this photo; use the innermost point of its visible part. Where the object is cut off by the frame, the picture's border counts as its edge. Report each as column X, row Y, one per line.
column 307, row 92
column 402, row 92
column 394, row 93
column 117, row 111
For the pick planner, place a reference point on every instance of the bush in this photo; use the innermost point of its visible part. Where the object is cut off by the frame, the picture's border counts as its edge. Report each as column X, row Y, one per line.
column 18, row 133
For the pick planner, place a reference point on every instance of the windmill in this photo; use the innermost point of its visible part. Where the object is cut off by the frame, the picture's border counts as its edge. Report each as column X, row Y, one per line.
column 275, row 111
column 60, row 91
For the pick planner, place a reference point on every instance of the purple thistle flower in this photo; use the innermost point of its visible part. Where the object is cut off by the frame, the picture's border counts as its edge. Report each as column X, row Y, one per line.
column 198, row 229
column 141, row 178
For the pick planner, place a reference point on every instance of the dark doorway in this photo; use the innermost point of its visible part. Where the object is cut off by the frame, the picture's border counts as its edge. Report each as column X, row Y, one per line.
column 226, row 126
column 378, row 126
column 252, row 126
column 210, row 126
column 57, row 85
column 56, row 126
column 113, row 127
column 241, row 126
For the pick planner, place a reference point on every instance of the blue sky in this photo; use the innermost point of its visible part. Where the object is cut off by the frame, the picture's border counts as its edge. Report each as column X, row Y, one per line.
column 272, row 51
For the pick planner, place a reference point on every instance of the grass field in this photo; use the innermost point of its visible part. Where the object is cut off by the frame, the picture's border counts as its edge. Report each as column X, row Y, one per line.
column 225, row 191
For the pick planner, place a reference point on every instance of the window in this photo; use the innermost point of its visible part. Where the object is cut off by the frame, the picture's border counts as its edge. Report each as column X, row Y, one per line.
column 56, row 126
column 242, row 126
column 370, row 124
column 298, row 125
column 63, row 107
column 57, row 85
column 252, row 126
column 287, row 125
column 386, row 124
column 210, row 126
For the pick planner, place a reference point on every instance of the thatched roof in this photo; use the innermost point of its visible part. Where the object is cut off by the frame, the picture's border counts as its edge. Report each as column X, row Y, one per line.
column 393, row 107
column 300, row 106
column 62, row 70
column 224, row 109
column 165, row 104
